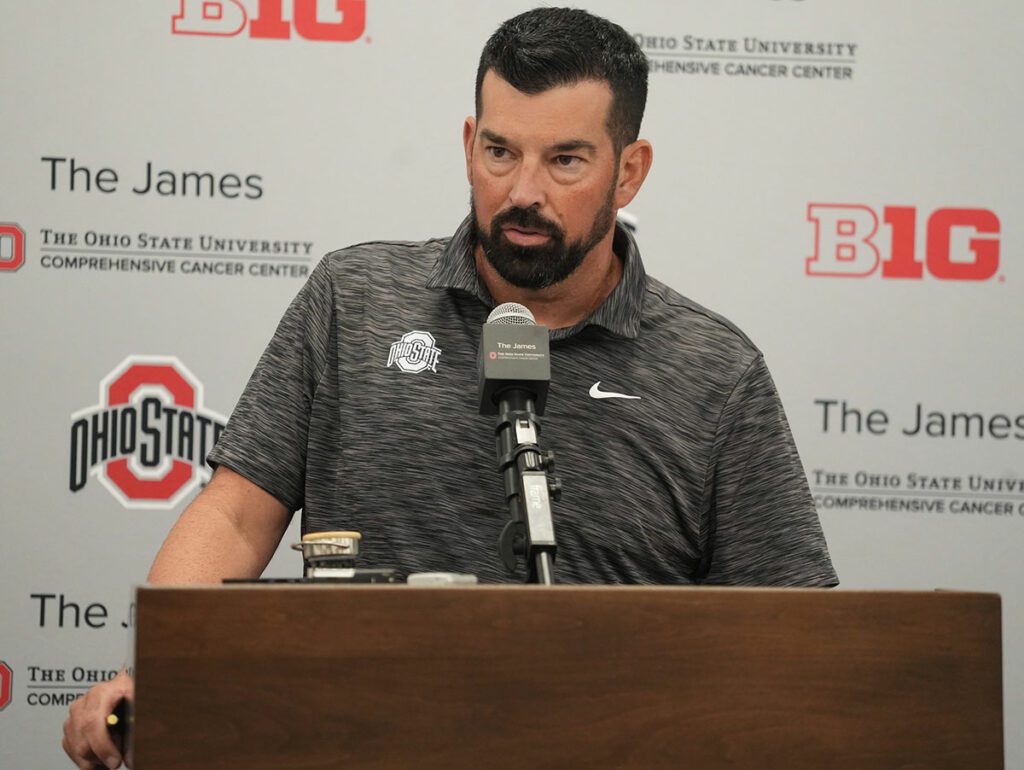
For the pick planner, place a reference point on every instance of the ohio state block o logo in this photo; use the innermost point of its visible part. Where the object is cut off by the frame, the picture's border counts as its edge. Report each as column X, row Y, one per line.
column 12, row 247
column 148, row 437
column 6, row 685
column 183, row 394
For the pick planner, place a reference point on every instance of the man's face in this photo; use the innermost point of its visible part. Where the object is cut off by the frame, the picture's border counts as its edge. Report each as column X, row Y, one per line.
column 542, row 169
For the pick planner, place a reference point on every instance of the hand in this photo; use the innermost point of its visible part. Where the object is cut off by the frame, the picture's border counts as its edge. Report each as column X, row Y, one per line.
column 86, row 738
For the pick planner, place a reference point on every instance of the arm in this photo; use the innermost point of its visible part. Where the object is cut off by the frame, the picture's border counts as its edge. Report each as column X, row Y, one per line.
column 233, row 527
column 764, row 528
column 230, row 530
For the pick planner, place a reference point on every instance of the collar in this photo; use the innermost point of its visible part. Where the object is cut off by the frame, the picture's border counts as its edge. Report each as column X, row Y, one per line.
column 619, row 313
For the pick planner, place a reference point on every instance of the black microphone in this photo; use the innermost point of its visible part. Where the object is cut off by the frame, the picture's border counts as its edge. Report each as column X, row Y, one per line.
column 515, row 372
column 514, row 358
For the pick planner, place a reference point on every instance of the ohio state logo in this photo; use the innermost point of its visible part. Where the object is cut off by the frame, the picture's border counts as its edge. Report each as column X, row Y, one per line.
column 12, row 247
column 415, row 352
column 227, row 18
column 960, row 244
column 148, row 437
column 6, row 685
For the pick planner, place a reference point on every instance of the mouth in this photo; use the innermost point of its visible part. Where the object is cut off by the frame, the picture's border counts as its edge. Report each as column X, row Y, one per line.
column 525, row 236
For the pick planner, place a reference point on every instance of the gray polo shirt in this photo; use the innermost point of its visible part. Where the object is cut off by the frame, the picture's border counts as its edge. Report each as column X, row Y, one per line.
column 363, row 413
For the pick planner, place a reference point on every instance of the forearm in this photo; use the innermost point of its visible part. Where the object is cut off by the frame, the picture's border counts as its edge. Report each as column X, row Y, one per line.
column 230, row 530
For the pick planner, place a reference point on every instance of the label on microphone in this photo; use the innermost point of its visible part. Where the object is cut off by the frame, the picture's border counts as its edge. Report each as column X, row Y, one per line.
column 514, row 356
column 512, row 352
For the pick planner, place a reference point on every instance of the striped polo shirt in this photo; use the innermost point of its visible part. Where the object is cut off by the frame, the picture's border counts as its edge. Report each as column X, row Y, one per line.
column 362, row 412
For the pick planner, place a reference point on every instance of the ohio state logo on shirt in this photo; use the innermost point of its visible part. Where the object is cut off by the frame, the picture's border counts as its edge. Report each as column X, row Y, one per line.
column 148, row 437
column 415, row 352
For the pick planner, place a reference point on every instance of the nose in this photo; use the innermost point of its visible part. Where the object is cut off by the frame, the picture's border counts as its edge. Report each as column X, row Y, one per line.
column 527, row 185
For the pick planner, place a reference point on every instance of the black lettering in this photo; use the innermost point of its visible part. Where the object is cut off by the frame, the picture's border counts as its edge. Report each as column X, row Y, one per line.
column 185, row 445
column 96, row 616
column 825, row 406
column 166, row 183
column 253, row 182
column 79, row 453
column 149, row 180
column 999, row 426
column 204, row 425
column 229, row 185
column 64, row 607
column 43, row 599
column 100, row 437
column 936, row 425
column 149, row 454
column 917, row 424
column 170, row 412
column 129, row 419
column 53, row 169
column 968, row 421
column 199, row 179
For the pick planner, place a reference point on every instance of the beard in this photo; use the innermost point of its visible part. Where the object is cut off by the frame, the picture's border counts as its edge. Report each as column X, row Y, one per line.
column 537, row 267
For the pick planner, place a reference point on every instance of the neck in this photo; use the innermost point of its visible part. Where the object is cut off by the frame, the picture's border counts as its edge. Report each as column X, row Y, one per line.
column 566, row 303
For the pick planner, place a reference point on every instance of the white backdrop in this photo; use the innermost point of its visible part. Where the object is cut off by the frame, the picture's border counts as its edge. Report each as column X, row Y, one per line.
column 314, row 144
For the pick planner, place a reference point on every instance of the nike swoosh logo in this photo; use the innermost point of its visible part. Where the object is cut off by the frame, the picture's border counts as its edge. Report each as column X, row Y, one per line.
column 596, row 392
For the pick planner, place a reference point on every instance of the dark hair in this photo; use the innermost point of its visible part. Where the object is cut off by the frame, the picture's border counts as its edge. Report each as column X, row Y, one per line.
column 549, row 47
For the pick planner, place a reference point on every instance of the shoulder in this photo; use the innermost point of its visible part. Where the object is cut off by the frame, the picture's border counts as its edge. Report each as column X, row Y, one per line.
column 375, row 266
column 378, row 255
column 673, row 319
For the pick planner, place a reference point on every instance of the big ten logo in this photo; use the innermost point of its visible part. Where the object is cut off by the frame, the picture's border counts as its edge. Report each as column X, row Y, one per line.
column 12, row 247
column 960, row 244
column 340, row 21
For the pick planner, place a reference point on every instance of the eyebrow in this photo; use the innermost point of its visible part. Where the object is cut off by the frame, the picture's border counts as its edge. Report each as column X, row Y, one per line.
column 571, row 145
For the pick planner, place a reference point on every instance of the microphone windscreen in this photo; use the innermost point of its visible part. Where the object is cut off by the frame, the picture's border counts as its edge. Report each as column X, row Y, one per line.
column 511, row 313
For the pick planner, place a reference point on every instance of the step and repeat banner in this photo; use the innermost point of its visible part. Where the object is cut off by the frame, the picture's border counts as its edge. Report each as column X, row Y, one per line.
column 842, row 180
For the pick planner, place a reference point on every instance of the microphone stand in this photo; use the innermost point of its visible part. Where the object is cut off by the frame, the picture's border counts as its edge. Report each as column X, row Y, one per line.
column 528, row 488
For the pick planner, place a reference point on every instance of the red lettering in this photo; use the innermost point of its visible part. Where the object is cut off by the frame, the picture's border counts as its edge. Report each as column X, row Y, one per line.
column 351, row 26
column 844, row 245
column 222, row 18
column 270, row 23
column 226, row 18
column 901, row 262
column 942, row 263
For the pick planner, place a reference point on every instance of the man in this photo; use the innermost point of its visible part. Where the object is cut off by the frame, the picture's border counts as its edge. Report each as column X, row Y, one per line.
column 686, row 474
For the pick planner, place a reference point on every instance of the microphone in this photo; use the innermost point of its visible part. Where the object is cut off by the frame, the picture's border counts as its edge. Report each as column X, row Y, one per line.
column 514, row 357
column 515, row 372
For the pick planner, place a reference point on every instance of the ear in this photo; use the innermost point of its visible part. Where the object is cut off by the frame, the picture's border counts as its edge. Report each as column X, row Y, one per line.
column 468, row 137
column 634, row 163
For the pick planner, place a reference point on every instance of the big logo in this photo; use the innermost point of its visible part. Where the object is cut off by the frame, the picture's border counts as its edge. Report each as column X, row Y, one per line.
column 12, row 246
column 6, row 685
column 227, row 18
column 961, row 244
column 148, row 437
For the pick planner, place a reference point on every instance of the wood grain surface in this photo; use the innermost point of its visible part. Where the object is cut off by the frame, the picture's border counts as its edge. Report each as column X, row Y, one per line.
column 320, row 676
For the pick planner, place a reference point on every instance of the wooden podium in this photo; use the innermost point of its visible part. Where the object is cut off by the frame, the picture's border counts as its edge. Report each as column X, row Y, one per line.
column 311, row 676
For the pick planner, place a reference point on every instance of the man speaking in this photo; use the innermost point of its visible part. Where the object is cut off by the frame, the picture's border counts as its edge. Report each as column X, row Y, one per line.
column 676, row 457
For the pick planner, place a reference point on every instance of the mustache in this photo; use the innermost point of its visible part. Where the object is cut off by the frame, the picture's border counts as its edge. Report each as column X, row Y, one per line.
column 526, row 218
